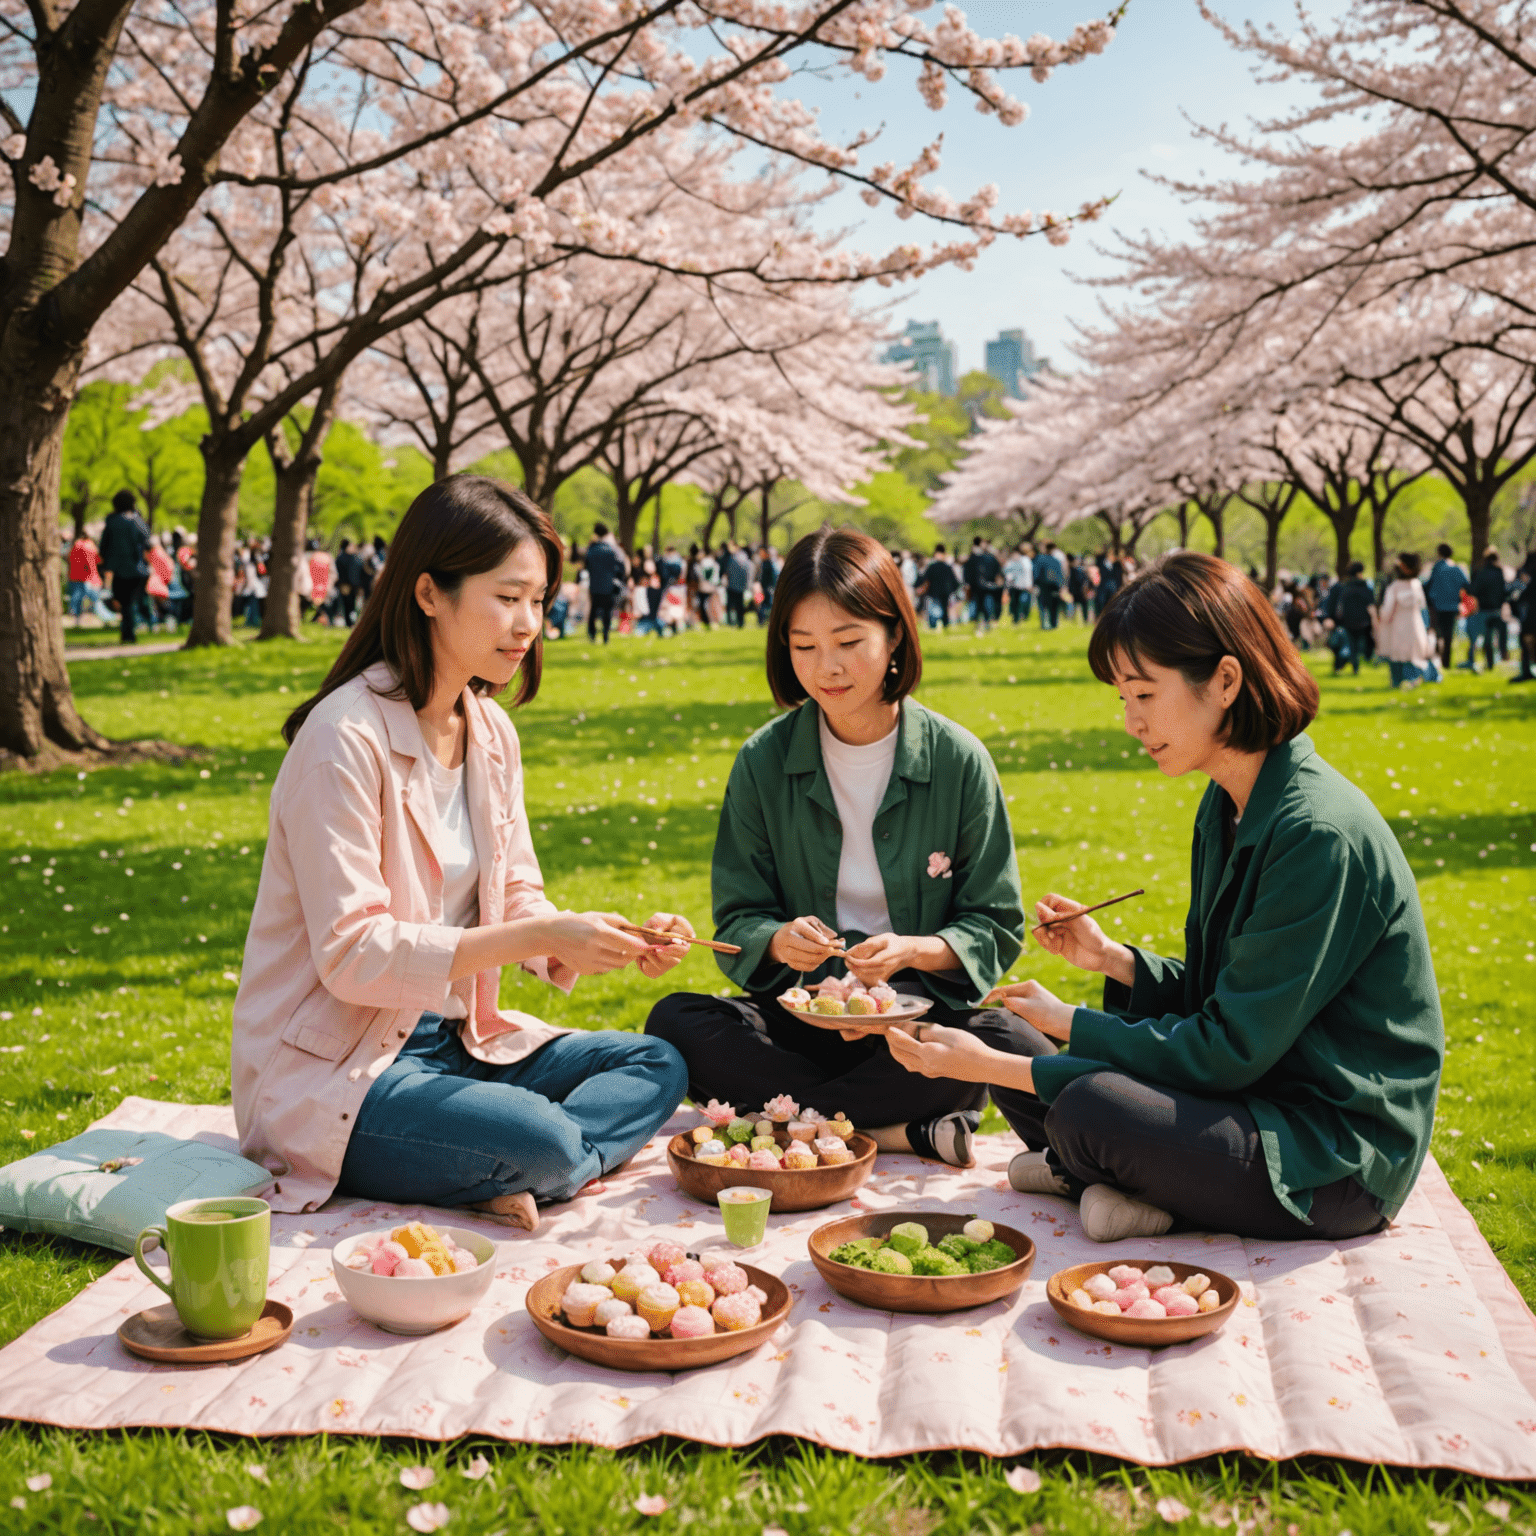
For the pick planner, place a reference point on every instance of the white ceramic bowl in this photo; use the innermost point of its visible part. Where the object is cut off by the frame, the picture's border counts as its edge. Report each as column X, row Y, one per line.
column 415, row 1305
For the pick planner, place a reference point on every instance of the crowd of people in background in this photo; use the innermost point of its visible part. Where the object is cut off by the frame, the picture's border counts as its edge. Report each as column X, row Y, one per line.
column 135, row 578
column 1412, row 618
column 1409, row 618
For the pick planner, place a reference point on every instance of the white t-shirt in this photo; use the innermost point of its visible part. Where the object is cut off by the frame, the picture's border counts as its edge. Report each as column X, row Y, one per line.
column 858, row 776
column 456, row 853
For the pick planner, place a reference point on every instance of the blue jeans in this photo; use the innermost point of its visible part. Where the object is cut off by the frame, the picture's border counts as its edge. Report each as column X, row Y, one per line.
column 441, row 1127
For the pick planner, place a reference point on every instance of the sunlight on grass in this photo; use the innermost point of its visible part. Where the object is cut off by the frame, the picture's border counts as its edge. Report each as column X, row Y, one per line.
column 127, row 893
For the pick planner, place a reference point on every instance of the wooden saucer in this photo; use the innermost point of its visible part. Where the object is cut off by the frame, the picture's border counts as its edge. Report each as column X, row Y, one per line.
column 156, row 1333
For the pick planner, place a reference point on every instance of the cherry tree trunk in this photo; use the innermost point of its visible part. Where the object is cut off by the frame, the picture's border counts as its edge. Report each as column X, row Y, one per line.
column 1343, row 520
column 1479, row 504
column 1378, row 538
column 37, row 705
column 295, row 496
column 1114, row 533
column 1272, row 523
column 1183, row 516
column 764, row 515
column 216, row 527
column 1216, row 516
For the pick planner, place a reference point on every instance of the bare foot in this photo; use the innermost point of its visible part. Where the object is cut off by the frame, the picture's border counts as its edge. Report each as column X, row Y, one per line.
column 511, row 1210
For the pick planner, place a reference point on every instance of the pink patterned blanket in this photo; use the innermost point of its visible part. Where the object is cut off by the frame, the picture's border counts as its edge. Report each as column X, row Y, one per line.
column 1411, row 1347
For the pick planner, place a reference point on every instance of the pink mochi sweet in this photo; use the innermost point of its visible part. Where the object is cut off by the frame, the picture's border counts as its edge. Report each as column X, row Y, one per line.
column 413, row 1269
column 1100, row 1287
column 733, row 1313
column 1146, row 1307
column 1126, row 1274
column 683, row 1269
column 1177, row 1302
column 691, row 1323
column 664, row 1255
column 764, row 1162
column 739, row 1154
column 727, row 1278
column 1128, row 1295
column 387, row 1257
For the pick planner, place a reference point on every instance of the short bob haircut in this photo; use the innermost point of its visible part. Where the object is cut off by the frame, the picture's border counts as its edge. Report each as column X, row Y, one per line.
column 856, row 573
column 458, row 527
column 1187, row 611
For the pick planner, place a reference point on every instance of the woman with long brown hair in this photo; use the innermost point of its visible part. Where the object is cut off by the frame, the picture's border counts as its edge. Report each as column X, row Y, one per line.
column 857, row 814
column 370, row 1054
column 1279, row 1080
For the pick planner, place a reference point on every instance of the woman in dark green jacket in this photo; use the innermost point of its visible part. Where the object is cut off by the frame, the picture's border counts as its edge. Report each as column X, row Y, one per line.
column 862, row 815
column 1280, row 1079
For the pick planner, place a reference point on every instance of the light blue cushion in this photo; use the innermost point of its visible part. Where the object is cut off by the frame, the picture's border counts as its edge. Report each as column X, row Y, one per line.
column 64, row 1190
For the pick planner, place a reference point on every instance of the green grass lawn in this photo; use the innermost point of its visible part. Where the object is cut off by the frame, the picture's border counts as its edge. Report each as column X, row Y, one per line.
column 126, row 897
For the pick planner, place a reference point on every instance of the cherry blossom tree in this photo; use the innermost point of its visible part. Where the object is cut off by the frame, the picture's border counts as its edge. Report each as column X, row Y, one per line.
column 124, row 114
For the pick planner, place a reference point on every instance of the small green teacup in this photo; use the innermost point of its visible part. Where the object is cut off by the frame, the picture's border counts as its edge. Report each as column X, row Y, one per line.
column 218, row 1251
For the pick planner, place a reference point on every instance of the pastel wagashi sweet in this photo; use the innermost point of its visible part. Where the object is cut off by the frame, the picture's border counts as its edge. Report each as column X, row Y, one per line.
column 697, row 1293
column 413, row 1237
column 1176, row 1301
column 598, row 1272
column 691, row 1323
column 701, row 1133
column 581, row 1301
column 413, row 1269
column 782, row 1107
column 733, row 1313
column 1081, row 1298
column 802, row 1130
column 684, row 1269
column 739, row 1155
column 833, row 1007
column 606, row 1311
column 799, row 1156
column 862, row 1005
column 656, row 1304
column 740, row 1130
column 1157, row 1276
column 727, row 1278
column 832, row 1150
column 463, row 1260
column 796, row 997
column 633, row 1279
column 1100, row 1287
column 1197, row 1285
column 1208, row 1300
column 1126, row 1274
column 628, row 1327
column 840, row 1125
column 764, row 1161
column 761, row 1129
column 1146, row 1307
column 387, row 1257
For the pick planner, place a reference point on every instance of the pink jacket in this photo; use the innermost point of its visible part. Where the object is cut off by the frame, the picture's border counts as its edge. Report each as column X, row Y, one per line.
column 342, row 957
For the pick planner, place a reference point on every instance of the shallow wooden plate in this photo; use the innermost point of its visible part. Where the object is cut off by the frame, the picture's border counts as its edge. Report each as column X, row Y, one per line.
column 1150, row 1331
column 653, row 1354
column 156, row 1334
column 908, row 1007
column 917, row 1293
column 794, row 1189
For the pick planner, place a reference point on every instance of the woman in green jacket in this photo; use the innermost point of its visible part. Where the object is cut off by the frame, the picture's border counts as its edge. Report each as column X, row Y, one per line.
column 1280, row 1080
column 859, row 814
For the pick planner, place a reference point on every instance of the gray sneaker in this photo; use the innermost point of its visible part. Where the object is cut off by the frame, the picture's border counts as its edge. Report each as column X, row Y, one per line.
column 1109, row 1214
column 1031, row 1174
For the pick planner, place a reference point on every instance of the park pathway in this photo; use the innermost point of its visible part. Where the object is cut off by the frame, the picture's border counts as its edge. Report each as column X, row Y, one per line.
column 116, row 652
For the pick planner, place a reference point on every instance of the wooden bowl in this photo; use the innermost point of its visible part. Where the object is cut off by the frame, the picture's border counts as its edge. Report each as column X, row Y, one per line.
column 917, row 1293
column 1151, row 1331
column 804, row 1189
column 653, row 1354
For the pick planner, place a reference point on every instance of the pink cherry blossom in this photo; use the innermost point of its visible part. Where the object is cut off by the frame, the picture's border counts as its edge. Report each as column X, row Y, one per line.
column 651, row 1504
column 938, row 866
column 781, row 1108
column 428, row 1517
column 1022, row 1479
column 717, row 1113
column 243, row 1517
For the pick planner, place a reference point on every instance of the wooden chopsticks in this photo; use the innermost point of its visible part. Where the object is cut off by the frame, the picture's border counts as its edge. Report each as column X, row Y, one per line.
column 1067, row 917
column 679, row 938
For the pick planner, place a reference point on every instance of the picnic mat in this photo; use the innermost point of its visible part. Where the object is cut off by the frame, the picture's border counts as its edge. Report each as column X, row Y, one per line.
column 1411, row 1347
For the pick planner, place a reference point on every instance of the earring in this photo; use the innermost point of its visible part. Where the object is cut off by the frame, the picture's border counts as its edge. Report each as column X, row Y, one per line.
column 893, row 668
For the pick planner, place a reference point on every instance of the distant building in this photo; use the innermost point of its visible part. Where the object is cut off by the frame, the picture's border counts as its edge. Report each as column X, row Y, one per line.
column 929, row 353
column 1011, row 360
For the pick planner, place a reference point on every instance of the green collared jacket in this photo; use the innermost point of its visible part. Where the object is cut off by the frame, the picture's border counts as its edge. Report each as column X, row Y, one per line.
column 942, row 839
column 1307, row 990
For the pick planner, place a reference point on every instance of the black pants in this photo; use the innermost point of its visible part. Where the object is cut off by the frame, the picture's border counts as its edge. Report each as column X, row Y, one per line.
column 736, row 608
column 744, row 1050
column 1050, row 607
column 128, row 591
column 1444, row 621
column 1199, row 1158
column 599, row 607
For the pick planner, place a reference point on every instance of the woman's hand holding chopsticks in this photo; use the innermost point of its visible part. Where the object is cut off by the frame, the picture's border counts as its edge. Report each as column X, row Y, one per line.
column 805, row 944
column 659, row 959
column 1080, row 941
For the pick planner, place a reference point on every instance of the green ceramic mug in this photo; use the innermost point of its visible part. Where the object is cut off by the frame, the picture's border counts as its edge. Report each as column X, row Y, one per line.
column 218, row 1251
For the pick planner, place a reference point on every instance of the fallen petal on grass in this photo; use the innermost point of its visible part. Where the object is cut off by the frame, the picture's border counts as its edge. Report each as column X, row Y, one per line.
column 417, row 1478
column 1023, row 1479
column 477, row 1468
column 43, row 1480
column 243, row 1517
column 427, row 1517
column 651, row 1504
column 1172, row 1510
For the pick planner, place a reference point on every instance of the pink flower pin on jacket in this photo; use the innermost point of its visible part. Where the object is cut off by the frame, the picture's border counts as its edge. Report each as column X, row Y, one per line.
column 938, row 866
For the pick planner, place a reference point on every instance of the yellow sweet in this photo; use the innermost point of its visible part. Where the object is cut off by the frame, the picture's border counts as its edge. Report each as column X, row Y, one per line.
column 414, row 1237
column 436, row 1255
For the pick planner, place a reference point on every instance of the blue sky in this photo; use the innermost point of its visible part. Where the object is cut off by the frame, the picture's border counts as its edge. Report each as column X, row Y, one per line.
column 1092, row 130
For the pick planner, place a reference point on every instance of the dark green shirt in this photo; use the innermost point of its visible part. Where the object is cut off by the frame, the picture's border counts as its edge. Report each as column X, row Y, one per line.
column 1307, row 990
column 780, row 841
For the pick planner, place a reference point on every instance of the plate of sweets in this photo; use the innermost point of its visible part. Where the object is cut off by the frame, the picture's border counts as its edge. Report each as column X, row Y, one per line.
column 1151, row 1302
column 923, row 1261
column 660, row 1310
column 805, row 1160
column 845, row 997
